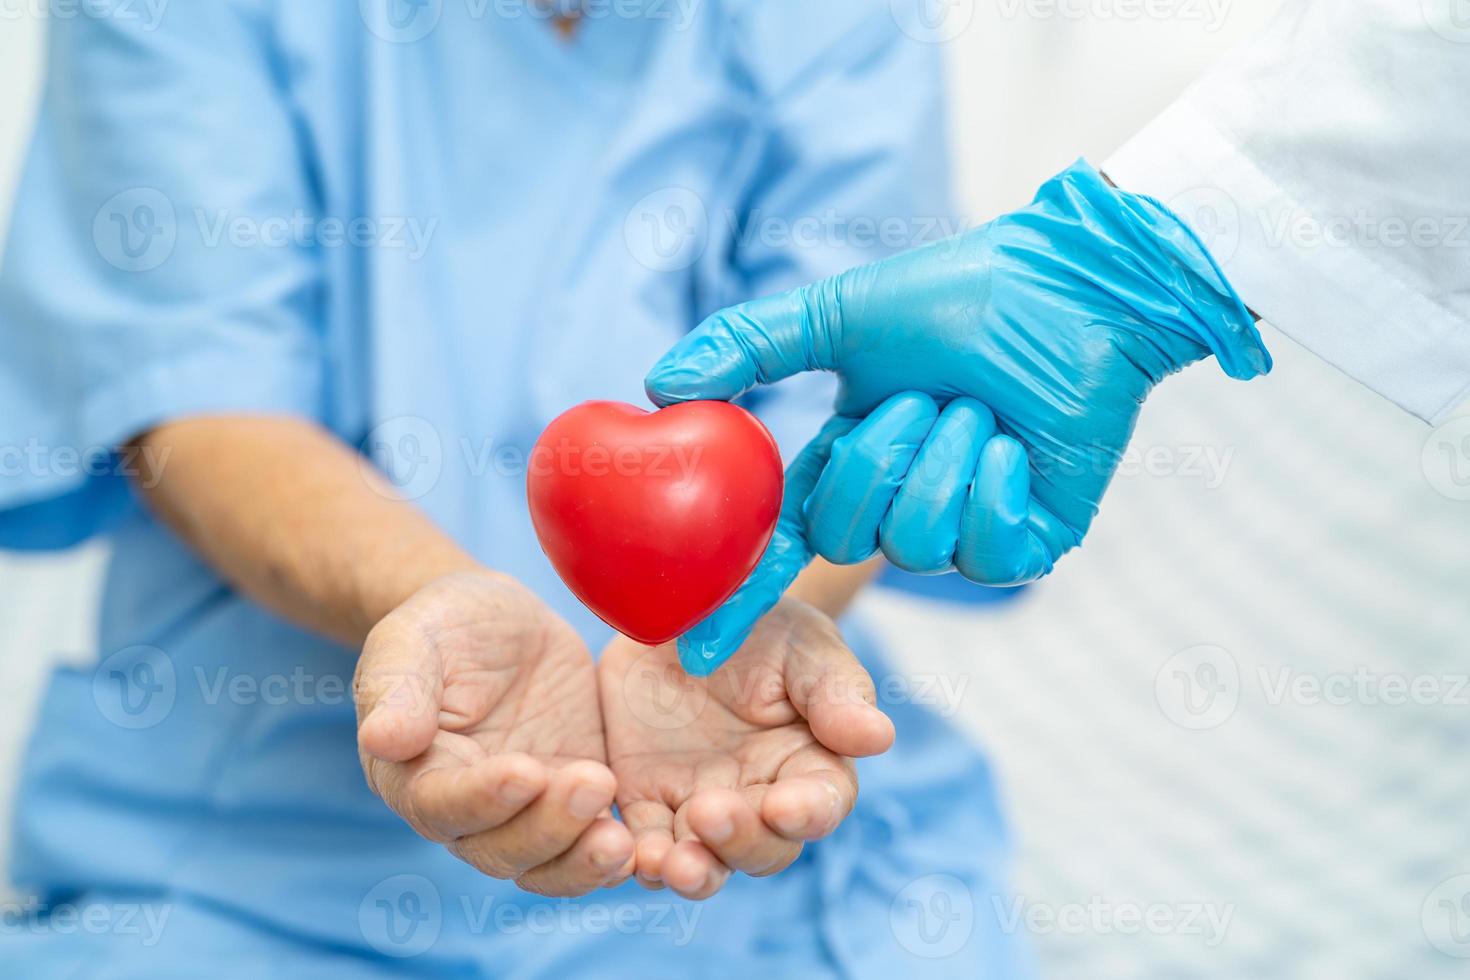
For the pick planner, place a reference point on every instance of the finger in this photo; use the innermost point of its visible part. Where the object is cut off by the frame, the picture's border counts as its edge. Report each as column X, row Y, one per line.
column 693, row 871
column 598, row 856
column 574, row 797
column 813, row 793
column 731, row 827
column 755, row 343
column 652, row 826
column 997, row 545
column 397, row 689
column 867, row 467
column 922, row 527
column 1056, row 536
column 452, row 801
column 710, row 643
column 833, row 691
column 623, row 873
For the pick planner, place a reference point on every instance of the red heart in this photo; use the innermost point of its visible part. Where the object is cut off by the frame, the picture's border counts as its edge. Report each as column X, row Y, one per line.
column 654, row 519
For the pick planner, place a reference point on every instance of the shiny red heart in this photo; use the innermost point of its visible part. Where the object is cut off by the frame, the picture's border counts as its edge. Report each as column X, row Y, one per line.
column 653, row 519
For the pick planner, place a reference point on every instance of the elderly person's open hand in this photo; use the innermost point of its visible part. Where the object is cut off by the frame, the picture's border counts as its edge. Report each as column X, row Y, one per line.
column 735, row 771
column 478, row 723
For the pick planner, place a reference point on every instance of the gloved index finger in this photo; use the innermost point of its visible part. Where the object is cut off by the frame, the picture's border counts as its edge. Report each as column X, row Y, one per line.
column 714, row 640
column 755, row 343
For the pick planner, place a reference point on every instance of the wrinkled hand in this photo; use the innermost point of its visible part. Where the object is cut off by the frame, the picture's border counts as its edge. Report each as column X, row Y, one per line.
column 990, row 385
column 478, row 723
column 734, row 772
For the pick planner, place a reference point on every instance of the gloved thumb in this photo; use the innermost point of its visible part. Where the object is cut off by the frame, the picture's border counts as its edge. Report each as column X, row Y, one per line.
column 755, row 343
column 714, row 640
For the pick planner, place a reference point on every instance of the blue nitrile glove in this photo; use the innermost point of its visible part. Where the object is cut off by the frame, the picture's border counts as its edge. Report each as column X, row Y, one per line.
column 1040, row 334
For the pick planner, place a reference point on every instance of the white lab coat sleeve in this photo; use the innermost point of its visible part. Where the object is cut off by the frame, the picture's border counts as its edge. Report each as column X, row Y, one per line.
column 1324, row 163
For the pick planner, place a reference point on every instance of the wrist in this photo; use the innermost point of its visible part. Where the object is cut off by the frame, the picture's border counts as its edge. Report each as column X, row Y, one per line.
column 382, row 589
column 1114, row 184
column 1184, row 292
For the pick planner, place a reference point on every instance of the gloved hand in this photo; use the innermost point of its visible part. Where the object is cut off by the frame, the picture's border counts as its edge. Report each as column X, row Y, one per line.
column 1038, row 335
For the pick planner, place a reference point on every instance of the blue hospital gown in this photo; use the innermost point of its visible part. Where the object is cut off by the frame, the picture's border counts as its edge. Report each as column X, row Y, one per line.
column 430, row 226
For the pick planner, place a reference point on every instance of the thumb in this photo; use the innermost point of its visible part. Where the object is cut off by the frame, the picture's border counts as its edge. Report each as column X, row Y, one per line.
column 755, row 343
column 398, row 689
column 710, row 643
column 834, row 692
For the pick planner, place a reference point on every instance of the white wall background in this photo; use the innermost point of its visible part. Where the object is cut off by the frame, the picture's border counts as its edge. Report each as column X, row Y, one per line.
column 1319, row 833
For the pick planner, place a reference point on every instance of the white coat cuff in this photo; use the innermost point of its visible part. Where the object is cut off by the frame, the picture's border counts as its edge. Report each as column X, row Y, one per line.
column 1318, row 287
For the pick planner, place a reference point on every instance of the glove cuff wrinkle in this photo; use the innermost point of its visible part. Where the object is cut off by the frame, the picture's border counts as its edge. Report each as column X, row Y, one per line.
column 1203, row 305
column 821, row 321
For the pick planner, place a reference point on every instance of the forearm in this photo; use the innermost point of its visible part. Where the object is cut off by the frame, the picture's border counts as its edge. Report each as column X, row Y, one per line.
column 293, row 518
